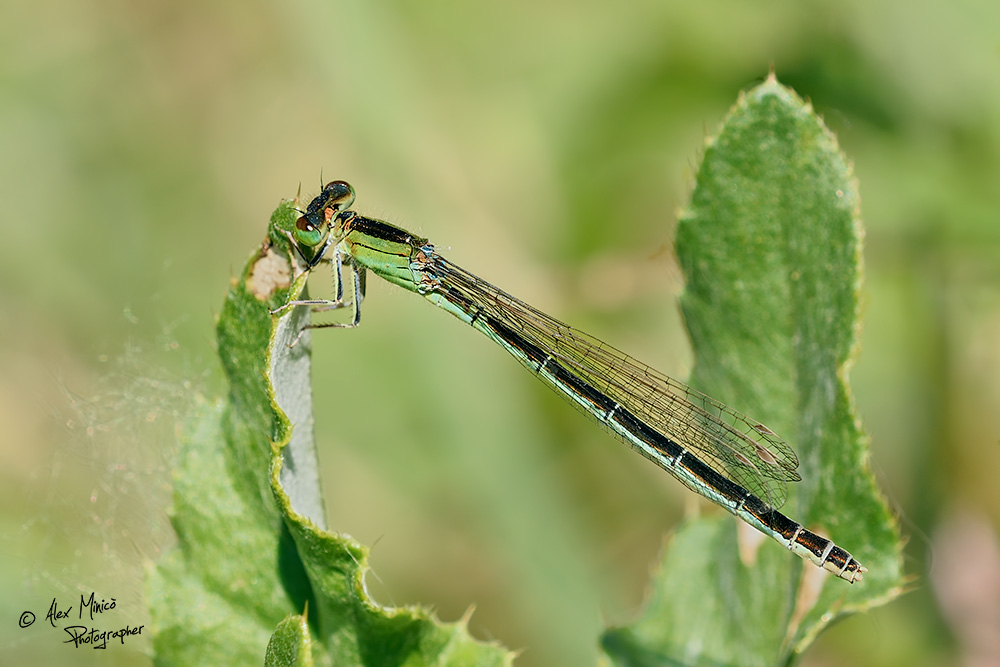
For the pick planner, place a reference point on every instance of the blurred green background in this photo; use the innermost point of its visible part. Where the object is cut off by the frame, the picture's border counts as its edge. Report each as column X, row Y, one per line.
column 545, row 146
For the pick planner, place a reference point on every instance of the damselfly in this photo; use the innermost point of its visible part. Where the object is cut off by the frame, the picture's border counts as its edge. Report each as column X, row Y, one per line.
column 712, row 449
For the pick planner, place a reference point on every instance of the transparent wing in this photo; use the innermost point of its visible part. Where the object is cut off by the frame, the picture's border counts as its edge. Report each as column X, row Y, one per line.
column 740, row 448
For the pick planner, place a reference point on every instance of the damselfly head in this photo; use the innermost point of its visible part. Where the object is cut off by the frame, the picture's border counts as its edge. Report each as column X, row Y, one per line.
column 315, row 224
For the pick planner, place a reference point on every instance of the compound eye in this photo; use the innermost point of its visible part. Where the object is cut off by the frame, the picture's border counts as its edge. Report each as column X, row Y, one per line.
column 337, row 196
column 307, row 233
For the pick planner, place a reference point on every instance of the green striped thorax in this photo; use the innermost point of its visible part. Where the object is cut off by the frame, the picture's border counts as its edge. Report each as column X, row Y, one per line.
column 367, row 243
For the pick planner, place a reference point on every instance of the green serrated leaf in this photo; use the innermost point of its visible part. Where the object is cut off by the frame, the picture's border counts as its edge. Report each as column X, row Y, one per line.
column 771, row 249
column 252, row 546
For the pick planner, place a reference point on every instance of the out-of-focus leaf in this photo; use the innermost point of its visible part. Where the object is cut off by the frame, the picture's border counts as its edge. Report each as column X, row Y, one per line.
column 771, row 250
